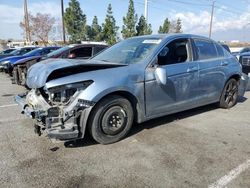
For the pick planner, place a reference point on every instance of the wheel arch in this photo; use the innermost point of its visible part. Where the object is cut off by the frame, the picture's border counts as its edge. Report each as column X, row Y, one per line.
column 127, row 95
column 234, row 76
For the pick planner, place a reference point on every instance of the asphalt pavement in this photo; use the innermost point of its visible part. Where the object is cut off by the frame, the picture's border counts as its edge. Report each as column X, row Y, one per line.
column 203, row 147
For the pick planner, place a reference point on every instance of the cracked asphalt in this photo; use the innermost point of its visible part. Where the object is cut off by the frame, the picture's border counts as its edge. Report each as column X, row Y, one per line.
column 194, row 148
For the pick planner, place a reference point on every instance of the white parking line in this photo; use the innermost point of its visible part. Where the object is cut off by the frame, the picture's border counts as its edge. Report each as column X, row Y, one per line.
column 222, row 182
column 8, row 105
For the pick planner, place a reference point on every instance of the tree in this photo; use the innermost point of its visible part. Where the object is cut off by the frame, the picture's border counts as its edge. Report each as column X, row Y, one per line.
column 128, row 29
column 175, row 26
column 40, row 26
column 88, row 33
column 96, row 30
column 109, row 31
column 142, row 27
column 26, row 30
column 75, row 21
column 165, row 28
column 178, row 26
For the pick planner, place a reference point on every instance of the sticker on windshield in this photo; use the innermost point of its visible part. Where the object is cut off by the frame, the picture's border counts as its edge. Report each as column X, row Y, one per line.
column 152, row 41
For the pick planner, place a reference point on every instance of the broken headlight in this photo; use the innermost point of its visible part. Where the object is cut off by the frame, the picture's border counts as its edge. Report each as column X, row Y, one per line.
column 63, row 94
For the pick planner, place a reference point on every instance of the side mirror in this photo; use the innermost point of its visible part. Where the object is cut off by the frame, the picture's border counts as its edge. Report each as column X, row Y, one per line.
column 72, row 56
column 161, row 75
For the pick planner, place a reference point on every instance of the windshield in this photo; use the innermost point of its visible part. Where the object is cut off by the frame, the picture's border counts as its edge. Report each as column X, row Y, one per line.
column 7, row 51
column 34, row 52
column 57, row 52
column 15, row 52
column 245, row 50
column 129, row 51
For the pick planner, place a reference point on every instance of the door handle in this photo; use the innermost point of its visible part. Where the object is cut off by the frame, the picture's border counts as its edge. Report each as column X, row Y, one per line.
column 192, row 69
column 224, row 63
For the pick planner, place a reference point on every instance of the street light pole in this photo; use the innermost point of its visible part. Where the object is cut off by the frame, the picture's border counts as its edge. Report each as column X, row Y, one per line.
column 146, row 10
column 211, row 20
column 26, row 22
column 63, row 28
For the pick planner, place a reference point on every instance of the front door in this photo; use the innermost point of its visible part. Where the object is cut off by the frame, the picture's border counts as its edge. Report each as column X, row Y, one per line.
column 181, row 89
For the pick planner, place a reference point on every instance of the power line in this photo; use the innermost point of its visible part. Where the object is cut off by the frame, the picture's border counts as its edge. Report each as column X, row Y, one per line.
column 189, row 3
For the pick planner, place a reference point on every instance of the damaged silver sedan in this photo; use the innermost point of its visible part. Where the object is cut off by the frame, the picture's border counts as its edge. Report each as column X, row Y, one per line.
column 138, row 79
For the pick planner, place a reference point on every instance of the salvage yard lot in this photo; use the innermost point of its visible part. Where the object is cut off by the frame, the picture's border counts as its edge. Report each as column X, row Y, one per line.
column 196, row 148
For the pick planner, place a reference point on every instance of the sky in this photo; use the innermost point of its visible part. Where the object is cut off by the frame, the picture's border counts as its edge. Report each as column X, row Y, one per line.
column 231, row 17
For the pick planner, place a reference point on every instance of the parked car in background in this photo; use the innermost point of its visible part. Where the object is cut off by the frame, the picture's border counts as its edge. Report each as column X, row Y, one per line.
column 135, row 80
column 7, row 51
column 242, row 51
column 76, row 51
column 244, row 60
column 18, row 51
column 9, row 62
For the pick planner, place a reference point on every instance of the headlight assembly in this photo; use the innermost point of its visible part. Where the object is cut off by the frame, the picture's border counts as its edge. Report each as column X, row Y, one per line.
column 62, row 94
column 5, row 62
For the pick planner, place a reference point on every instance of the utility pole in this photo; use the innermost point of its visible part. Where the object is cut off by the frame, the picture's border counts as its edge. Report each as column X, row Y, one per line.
column 63, row 28
column 26, row 22
column 211, row 21
column 146, row 10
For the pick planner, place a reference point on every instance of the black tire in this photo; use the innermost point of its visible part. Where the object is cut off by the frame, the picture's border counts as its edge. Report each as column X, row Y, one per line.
column 111, row 119
column 229, row 94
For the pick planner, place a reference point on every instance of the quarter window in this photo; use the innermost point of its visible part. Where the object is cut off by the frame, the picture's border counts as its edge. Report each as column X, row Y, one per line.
column 205, row 49
column 98, row 49
column 220, row 50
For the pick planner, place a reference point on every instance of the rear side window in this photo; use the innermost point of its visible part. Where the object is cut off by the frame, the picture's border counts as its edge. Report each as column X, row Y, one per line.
column 82, row 52
column 205, row 49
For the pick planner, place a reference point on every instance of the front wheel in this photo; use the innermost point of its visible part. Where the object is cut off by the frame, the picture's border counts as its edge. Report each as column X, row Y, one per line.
column 229, row 94
column 111, row 119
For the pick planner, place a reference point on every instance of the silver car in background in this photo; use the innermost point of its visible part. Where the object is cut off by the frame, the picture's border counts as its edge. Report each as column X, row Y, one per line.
column 136, row 80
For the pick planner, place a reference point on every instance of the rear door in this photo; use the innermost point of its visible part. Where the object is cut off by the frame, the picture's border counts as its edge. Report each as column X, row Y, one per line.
column 211, row 70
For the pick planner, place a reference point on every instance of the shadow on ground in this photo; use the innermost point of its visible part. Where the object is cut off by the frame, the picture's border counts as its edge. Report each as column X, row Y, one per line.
column 88, row 140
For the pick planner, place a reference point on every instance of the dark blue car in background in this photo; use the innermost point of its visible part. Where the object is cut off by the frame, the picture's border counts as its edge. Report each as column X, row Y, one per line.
column 18, row 51
column 7, row 51
column 7, row 63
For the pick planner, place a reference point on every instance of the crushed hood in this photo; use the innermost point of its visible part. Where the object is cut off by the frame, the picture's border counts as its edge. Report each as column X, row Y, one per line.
column 51, row 69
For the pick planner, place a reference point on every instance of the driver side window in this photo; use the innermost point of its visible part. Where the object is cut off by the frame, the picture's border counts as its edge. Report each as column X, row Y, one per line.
column 174, row 52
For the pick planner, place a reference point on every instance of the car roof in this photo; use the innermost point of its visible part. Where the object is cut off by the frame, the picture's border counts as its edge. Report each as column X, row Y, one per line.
column 172, row 35
column 87, row 44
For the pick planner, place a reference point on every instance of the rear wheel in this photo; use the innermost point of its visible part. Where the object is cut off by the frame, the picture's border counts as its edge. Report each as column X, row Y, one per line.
column 111, row 119
column 229, row 94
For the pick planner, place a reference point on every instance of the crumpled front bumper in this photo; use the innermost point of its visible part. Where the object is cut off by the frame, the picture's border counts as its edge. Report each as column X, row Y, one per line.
column 28, row 111
column 56, row 123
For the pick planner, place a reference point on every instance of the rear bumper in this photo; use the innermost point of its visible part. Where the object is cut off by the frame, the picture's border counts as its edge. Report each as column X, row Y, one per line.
column 245, row 69
column 244, row 84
